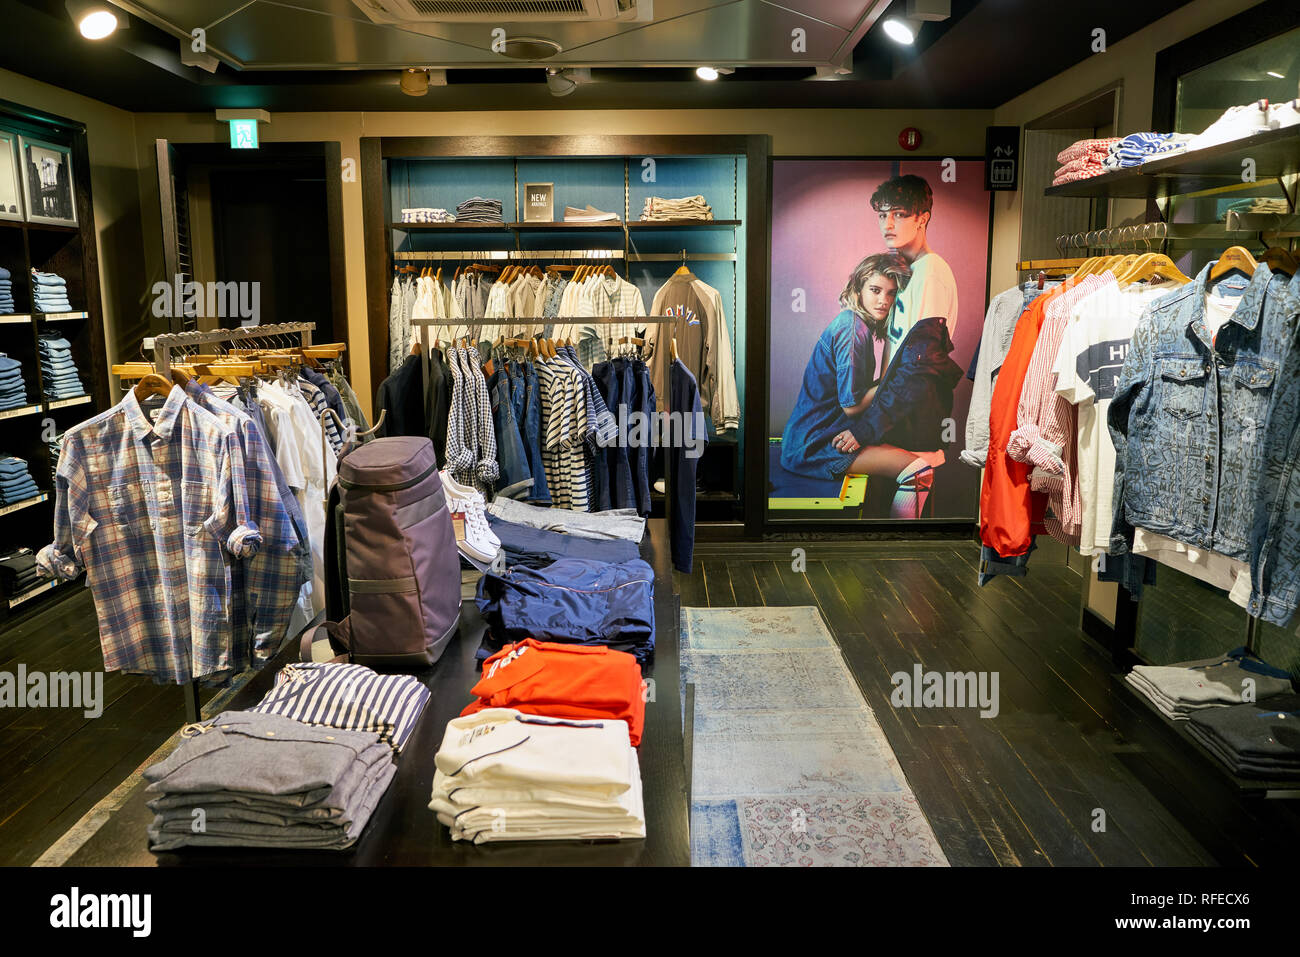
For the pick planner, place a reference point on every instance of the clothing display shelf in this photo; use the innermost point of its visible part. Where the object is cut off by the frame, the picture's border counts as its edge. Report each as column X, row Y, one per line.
column 173, row 345
column 73, row 252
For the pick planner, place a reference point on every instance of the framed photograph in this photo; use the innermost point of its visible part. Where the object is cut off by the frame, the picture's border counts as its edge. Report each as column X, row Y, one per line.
column 46, row 170
column 11, row 189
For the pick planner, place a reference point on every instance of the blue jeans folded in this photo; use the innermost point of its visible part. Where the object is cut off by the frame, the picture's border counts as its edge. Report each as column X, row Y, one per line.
column 992, row 564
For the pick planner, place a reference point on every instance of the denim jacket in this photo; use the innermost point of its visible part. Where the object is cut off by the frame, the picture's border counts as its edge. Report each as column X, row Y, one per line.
column 1275, row 537
column 915, row 394
column 1188, row 417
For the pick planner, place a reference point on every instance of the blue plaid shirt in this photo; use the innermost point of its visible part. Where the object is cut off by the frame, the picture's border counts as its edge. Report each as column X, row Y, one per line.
column 154, row 512
column 267, row 584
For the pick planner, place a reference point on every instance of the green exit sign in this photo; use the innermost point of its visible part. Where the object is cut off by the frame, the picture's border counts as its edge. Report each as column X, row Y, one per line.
column 243, row 134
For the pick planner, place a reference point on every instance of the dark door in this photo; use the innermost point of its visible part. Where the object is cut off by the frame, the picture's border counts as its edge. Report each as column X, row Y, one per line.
column 173, row 202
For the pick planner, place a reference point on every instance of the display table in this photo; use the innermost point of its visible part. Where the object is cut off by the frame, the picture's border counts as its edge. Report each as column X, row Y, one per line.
column 403, row 831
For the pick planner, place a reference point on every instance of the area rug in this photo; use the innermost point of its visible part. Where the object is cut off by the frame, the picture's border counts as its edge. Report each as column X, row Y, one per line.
column 790, row 767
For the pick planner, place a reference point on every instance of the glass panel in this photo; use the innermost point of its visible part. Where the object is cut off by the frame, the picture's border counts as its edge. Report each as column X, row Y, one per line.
column 1268, row 70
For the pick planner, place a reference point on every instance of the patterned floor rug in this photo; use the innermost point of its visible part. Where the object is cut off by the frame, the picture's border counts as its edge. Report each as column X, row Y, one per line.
column 790, row 767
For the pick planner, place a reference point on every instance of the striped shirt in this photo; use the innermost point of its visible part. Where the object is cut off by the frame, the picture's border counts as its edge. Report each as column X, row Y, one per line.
column 154, row 510
column 347, row 697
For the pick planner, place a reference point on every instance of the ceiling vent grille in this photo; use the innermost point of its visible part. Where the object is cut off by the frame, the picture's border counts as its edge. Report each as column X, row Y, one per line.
column 428, row 12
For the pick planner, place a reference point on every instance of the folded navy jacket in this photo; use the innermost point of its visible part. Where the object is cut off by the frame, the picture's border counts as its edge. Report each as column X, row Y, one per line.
column 538, row 547
column 573, row 600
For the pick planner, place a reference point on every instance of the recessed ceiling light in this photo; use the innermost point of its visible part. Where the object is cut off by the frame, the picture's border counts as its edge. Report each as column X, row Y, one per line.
column 706, row 73
column 899, row 30
column 94, row 20
column 1280, row 76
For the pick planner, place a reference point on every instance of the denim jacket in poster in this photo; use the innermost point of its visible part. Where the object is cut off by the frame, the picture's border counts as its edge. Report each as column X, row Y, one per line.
column 1189, row 413
column 916, row 390
column 1275, row 536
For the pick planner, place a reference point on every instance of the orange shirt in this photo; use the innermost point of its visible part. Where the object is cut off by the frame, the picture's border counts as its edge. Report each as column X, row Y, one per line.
column 563, row 681
column 1010, row 514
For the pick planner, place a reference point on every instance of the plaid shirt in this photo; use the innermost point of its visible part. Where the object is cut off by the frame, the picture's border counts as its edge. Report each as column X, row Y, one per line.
column 272, row 578
column 154, row 511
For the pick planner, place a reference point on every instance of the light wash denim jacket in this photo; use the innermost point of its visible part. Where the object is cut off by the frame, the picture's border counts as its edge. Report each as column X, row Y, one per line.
column 1189, row 413
column 1275, row 536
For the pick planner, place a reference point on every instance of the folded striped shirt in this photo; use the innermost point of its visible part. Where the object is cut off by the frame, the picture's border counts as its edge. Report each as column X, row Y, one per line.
column 348, row 697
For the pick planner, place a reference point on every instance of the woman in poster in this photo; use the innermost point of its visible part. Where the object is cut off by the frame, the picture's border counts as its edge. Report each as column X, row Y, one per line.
column 832, row 430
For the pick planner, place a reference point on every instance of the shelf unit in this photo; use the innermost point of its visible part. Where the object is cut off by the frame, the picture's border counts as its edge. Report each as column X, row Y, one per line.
column 611, row 174
column 71, row 252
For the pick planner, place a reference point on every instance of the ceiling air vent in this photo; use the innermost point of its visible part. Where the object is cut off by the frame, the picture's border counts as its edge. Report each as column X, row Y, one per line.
column 428, row 12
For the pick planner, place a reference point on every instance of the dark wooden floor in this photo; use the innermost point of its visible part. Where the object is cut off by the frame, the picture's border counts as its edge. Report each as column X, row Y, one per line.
column 1026, row 787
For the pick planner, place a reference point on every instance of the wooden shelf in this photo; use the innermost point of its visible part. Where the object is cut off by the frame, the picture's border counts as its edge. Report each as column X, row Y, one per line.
column 64, row 403
column 25, row 503
column 1276, row 153
column 33, row 592
column 449, row 227
column 16, row 318
column 19, row 411
column 686, row 224
column 61, row 316
column 605, row 226
column 53, row 228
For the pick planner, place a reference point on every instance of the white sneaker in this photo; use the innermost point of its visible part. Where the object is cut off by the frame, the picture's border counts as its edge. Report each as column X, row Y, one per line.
column 465, row 498
column 1237, row 122
column 470, row 526
column 1284, row 114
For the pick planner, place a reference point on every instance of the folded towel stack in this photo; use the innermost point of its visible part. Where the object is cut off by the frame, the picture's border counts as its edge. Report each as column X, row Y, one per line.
column 479, row 210
column 16, row 482
column 658, row 209
column 1083, row 159
column 58, row 370
column 13, row 387
column 502, row 775
column 49, row 292
column 6, row 292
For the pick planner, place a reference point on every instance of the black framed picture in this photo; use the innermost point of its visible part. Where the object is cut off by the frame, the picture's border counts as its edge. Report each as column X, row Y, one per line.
column 47, row 182
column 11, row 190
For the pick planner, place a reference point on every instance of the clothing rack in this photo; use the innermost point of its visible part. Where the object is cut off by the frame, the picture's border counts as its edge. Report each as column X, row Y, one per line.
column 457, row 255
column 163, row 346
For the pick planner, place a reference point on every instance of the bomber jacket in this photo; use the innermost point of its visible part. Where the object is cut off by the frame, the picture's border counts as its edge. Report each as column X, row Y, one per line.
column 1189, row 414
column 916, row 391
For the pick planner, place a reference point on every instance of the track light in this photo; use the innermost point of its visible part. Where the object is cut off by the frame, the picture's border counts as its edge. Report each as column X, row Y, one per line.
column 900, row 30
column 562, row 81
column 94, row 20
column 706, row 73
column 414, row 82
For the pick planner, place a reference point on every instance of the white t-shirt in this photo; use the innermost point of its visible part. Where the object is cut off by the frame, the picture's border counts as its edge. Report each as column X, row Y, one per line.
column 1087, row 370
column 1230, row 574
column 932, row 291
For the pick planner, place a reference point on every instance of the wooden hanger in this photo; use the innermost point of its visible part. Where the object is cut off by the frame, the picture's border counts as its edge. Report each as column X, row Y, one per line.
column 1279, row 260
column 673, row 349
column 438, row 274
column 1233, row 258
column 153, row 384
column 1153, row 266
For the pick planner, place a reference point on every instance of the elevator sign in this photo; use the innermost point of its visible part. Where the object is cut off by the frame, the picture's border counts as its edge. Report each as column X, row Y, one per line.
column 1002, row 158
column 243, row 134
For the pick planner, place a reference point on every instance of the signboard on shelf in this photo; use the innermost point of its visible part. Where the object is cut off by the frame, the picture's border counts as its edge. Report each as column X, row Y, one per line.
column 539, row 202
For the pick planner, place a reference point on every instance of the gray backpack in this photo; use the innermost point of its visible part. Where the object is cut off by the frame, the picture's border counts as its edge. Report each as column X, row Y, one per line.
column 399, row 551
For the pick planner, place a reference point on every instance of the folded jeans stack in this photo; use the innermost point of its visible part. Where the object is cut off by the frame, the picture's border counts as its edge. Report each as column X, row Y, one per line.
column 563, row 681
column 13, row 388
column 427, row 214
column 59, row 372
column 16, row 482
column 1255, row 739
column 506, row 776
column 571, row 601
column 658, row 209
column 49, row 292
column 1181, row 690
column 263, row 780
column 1083, row 159
column 6, row 292
column 479, row 210
column 19, row 571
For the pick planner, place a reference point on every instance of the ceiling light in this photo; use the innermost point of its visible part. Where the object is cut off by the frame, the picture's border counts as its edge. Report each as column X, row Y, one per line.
column 900, row 30
column 706, row 73
column 94, row 20
column 1280, row 76
column 414, row 82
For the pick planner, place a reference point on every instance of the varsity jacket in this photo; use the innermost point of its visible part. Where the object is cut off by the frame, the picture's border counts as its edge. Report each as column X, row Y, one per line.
column 703, row 345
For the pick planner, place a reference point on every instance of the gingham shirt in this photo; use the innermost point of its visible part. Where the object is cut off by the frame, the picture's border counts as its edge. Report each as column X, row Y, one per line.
column 154, row 511
column 350, row 697
column 461, row 449
column 606, row 297
column 271, row 579
column 486, row 469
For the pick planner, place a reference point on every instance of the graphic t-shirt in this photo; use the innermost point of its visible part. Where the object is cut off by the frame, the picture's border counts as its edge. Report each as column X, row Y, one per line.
column 1087, row 370
column 932, row 291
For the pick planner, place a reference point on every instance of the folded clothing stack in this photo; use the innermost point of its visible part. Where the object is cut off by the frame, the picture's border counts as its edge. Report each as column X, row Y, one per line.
column 1257, row 739
column 563, row 681
column 571, row 601
column 479, row 210
column 506, row 776
column 1259, row 204
column 6, row 292
column 658, row 209
column 1083, row 159
column 49, row 292
column 427, row 214
column 539, row 547
column 16, row 482
column 573, row 214
column 19, row 571
column 13, row 387
column 59, row 372
column 1137, row 148
column 261, row 780
column 1181, row 690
